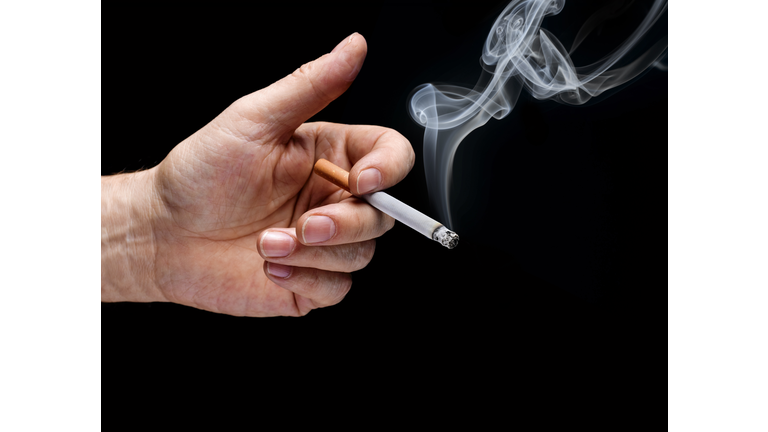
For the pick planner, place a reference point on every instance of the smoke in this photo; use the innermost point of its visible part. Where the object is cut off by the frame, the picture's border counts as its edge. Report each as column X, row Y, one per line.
column 519, row 54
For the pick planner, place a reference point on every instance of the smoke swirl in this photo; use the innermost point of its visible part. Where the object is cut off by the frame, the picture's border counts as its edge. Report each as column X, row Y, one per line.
column 517, row 47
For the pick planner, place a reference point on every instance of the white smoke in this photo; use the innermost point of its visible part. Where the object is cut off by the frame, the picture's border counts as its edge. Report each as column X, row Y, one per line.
column 518, row 48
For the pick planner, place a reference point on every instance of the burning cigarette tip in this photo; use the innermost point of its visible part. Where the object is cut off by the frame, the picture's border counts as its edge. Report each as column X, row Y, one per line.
column 445, row 237
column 407, row 215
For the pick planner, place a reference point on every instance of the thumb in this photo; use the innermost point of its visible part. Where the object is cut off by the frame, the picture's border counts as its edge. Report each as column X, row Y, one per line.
column 294, row 99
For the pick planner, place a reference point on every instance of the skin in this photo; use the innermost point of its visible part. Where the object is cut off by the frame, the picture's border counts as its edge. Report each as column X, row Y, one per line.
column 201, row 228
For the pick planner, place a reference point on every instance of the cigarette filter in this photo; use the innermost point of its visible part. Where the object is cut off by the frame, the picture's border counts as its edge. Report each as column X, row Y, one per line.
column 392, row 206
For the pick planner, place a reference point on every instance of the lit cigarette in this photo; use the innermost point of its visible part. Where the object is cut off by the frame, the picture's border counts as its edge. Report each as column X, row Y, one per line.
column 391, row 206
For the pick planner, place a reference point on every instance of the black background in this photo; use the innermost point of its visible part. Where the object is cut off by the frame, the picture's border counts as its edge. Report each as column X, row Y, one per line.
column 555, row 295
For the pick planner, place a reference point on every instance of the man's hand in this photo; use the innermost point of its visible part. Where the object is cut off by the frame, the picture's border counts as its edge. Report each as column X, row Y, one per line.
column 232, row 221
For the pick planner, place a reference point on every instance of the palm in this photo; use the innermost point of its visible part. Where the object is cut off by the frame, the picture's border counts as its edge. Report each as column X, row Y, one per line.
column 221, row 207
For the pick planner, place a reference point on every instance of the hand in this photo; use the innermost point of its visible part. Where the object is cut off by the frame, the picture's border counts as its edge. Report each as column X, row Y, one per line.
column 233, row 221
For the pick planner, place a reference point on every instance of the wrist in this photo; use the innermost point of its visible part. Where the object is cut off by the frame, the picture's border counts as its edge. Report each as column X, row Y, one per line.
column 129, row 210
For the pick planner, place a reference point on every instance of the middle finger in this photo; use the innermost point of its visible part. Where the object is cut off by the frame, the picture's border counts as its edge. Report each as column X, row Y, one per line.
column 348, row 221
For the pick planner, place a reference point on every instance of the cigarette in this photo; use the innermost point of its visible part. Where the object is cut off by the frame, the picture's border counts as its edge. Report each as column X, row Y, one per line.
column 391, row 206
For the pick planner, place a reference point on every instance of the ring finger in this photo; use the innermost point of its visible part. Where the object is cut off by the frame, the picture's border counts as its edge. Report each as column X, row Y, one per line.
column 318, row 288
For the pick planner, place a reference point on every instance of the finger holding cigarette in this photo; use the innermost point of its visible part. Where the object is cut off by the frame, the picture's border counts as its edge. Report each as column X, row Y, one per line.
column 313, row 258
column 382, row 158
column 391, row 206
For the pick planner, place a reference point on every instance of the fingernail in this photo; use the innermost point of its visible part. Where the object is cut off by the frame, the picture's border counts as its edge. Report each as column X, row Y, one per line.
column 275, row 244
column 344, row 43
column 318, row 229
column 368, row 180
column 279, row 270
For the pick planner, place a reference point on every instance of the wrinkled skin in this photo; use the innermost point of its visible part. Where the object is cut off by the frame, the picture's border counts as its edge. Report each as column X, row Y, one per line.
column 248, row 173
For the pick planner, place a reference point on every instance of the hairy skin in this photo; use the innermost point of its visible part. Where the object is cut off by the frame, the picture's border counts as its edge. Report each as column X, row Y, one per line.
column 195, row 222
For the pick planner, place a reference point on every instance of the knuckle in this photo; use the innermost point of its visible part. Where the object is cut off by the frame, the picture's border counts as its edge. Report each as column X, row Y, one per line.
column 313, row 283
column 340, row 289
column 306, row 73
column 361, row 221
column 411, row 154
column 369, row 248
column 387, row 223
column 361, row 255
column 403, row 144
column 406, row 151
column 334, row 289
column 238, row 105
column 373, row 224
column 303, row 71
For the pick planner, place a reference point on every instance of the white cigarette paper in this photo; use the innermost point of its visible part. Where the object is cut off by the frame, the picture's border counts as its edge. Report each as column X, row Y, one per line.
column 386, row 203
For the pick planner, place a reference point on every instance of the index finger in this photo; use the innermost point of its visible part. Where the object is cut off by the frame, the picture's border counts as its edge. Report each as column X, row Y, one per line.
column 381, row 157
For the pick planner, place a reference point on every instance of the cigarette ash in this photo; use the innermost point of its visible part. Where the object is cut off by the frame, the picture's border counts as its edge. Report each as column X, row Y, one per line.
column 446, row 237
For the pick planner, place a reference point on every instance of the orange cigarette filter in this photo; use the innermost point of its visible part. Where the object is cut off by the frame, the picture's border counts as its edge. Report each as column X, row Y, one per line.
column 391, row 206
column 332, row 173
